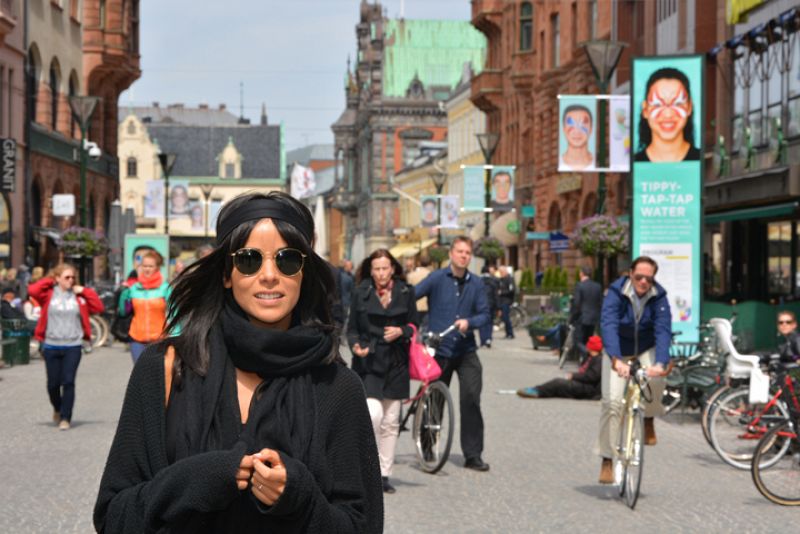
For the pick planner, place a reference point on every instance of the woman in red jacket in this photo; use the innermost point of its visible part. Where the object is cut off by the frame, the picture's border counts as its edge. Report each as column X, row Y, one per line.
column 62, row 327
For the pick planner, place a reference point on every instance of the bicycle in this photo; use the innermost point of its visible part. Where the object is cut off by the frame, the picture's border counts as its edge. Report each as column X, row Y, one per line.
column 570, row 349
column 432, row 406
column 736, row 424
column 779, row 482
column 630, row 451
column 517, row 314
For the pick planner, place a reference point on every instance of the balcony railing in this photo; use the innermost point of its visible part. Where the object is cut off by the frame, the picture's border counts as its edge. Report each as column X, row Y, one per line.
column 487, row 89
column 487, row 15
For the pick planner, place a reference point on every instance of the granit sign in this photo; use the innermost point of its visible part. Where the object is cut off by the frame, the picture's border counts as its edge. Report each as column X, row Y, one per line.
column 9, row 163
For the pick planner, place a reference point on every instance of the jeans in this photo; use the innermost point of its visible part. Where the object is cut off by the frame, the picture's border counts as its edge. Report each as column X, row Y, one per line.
column 470, row 382
column 486, row 330
column 505, row 310
column 385, row 415
column 62, row 366
column 136, row 350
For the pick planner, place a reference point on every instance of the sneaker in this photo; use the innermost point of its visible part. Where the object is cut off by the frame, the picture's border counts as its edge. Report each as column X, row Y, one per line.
column 606, row 472
column 63, row 425
column 476, row 464
column 387, row 487
column 56, row 417
column 528, row 393
column 510, row 336
column 649, row 431
column 488, row 344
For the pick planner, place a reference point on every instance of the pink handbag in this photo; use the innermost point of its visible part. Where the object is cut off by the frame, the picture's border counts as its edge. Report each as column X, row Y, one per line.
column 421, row 365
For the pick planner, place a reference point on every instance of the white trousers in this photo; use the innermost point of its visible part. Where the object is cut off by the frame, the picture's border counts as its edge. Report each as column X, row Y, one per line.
column 613, row 391
column 385, row 415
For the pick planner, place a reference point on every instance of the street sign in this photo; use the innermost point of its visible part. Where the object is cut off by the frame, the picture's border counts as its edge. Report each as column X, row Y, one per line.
column 9, row 165
column 537, row 236
column 63, row 205
column 529, row 211
column 558, row 242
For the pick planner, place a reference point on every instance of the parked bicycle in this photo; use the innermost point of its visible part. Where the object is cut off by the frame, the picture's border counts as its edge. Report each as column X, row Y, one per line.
column 518, row 315
column 432, row 407
column 780, row 482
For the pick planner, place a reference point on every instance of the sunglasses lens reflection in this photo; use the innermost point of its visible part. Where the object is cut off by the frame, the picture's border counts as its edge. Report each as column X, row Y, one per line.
column 289, row 261
column 247, row 261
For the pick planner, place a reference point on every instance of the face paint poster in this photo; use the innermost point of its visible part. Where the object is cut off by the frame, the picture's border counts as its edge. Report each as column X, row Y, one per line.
column 666, row 111
column 619, row 128
column 577, row 138
column 430, row 211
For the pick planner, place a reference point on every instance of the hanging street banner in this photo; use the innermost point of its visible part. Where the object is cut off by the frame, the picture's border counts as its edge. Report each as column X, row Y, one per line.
column 577, row 133
column 179, row 204
column 449, row 211
column 619, row 127
column 502, row 188
column 429, row 212
column 154, row 199
column 667, row 110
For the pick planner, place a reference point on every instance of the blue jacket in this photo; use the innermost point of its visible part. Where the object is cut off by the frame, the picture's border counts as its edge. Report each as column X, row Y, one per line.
column 623, row 335
column 446, row 304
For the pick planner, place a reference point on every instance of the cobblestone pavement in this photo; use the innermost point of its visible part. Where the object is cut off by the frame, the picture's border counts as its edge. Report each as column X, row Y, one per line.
column 542, row 478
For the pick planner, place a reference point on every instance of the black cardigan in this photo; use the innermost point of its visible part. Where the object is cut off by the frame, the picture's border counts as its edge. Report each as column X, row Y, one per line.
column 141, row 492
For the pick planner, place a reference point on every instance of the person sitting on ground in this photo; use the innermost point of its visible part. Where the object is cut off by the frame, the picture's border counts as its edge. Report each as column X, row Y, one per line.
column 585, row 384
column 7, row 308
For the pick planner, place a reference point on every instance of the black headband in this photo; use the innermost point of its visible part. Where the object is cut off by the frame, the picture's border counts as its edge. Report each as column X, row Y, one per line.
column 263, row 208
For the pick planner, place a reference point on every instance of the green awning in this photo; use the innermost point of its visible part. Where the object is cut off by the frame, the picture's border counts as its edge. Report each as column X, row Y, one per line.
column 764, row 212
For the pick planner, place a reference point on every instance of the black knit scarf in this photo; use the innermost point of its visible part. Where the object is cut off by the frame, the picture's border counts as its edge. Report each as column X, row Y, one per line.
column 282, row 414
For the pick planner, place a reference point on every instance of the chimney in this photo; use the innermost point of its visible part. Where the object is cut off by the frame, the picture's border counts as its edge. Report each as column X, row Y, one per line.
column 202, row 106
column 155, row 104
column 223, row 107
column 263, row 114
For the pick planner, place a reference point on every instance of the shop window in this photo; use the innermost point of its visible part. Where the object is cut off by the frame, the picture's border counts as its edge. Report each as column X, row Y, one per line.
column 794, row 90
column 713, row 261
column 779, row 258
column 555, row 35
column 755, row 116
column 526, row 26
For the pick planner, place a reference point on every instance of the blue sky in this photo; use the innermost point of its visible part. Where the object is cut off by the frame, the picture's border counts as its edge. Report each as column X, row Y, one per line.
column 290, row 54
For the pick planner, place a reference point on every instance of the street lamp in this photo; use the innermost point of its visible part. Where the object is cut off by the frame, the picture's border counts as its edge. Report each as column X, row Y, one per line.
column 206, row 189
column 82, row 108
column 439, row 178
column 166, row 161
column 603, row 57
column 488, row 143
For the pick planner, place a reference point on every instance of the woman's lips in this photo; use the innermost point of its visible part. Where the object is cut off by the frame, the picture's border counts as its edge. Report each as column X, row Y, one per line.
column 668, row 126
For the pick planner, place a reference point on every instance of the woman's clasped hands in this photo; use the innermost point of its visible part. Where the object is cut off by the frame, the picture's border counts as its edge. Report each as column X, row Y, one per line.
column 265, row 473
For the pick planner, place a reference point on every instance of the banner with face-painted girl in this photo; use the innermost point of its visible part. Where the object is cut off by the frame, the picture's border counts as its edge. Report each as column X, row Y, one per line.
column 666, row 119
column 577, row 137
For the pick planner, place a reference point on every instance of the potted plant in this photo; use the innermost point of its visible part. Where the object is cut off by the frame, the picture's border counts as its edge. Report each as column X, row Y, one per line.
column 438, row 254
column 490, row 249
column 541, row 324
column 78, row 242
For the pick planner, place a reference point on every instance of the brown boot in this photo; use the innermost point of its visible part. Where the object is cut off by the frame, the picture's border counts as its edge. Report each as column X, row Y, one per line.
column 649, row 431
column 606, row 472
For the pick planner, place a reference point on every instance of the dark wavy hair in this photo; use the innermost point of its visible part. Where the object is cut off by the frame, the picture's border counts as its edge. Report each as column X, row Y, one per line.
column 645, row 134
column 365, row 271
column 198, row 294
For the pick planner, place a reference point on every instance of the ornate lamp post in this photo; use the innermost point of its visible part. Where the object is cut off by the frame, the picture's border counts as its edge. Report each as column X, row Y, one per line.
column 82, row 109
column 439, row 178
column 167, row 161
column 206, row 189
column 488, row 143
column 603, row 57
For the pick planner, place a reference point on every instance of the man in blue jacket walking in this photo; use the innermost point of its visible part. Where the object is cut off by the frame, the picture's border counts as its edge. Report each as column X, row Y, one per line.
column 635, row 322
column 456, row 296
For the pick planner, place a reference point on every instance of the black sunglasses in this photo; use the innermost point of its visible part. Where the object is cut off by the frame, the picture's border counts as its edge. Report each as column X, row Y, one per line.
column 786, row 322
column 640, row 277
column 248, row 261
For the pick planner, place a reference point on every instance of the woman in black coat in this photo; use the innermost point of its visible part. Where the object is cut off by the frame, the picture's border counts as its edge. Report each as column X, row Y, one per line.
column 378, row 332
column 247, row 421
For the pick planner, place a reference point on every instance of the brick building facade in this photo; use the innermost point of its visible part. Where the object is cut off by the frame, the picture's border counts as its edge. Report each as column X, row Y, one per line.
column 88, row 47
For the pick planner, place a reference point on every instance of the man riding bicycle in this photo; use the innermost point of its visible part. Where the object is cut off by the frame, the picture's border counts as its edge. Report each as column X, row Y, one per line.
column 635, row 323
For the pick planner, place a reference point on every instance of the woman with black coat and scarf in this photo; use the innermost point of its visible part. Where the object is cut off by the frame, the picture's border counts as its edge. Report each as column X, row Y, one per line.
column 247, row 421
column 378, row 333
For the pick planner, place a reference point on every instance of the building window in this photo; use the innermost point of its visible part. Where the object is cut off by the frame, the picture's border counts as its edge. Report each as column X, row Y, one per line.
column 73, row 9
column 53, row 97
column 132, row 167
column 230, row 170
column 72, row 92
column 574, row 25
column 131, row 128
column 526, row 26
column 2, row 82
column 102, row 14
column 31, row 85
column 755, row 113
column 779, row 258
column 593, row 19
column 555, row 32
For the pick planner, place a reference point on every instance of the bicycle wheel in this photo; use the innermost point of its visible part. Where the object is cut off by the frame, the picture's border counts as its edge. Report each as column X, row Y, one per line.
column 100, row 330
column 736, row 425
column 518, row 317
column 781, row 482
column 708, row 408
column 671, row 398
column 433, row 427
column 635, row 463
column 569, row 344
